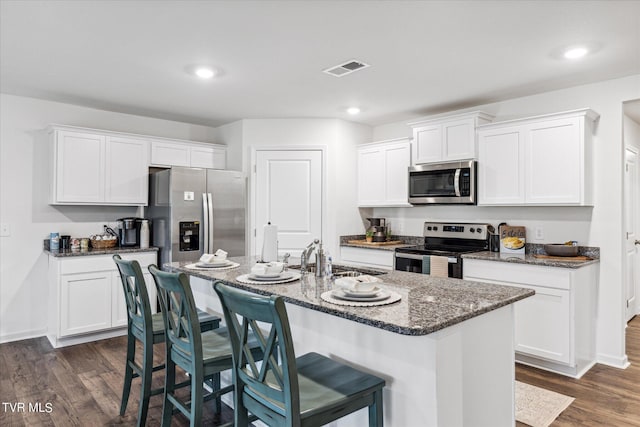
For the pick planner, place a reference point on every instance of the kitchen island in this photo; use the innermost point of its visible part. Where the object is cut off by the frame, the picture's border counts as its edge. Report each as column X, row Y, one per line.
column 445, row 349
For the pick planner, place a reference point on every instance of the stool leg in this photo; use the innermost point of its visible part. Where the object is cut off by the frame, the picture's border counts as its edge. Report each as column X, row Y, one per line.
column 147, row 375
column 216, row 386
column 376, row 418
column 169, row 387
column 240, row 415
column 128, row 372
column 197, row 398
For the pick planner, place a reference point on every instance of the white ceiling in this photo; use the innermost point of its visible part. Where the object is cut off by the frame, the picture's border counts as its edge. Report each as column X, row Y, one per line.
column 425, row 56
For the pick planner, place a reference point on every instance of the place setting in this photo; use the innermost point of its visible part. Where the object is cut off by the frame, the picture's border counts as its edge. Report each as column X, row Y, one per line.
column 213, row 262
column 361, row 291
column 269, row 273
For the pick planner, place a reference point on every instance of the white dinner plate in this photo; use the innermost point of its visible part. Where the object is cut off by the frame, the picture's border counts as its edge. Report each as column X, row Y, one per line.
column 213, row 264
column 381, row 296
column 281, row 276
column 266, row 275
column 362, row 294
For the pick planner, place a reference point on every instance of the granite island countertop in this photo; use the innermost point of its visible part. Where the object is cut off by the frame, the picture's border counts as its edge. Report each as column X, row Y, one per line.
column 528, row 258
column 94, row 251
column 428, row 303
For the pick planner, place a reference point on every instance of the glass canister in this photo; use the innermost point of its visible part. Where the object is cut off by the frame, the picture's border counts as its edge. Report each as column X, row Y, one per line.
column 54, row 241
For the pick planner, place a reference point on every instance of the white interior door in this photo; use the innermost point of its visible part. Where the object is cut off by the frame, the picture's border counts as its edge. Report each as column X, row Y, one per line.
column 632, row 218
column 288, row 193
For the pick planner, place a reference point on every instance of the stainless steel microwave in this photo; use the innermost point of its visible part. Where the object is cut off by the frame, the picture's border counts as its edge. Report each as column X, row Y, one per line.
column 443, row 183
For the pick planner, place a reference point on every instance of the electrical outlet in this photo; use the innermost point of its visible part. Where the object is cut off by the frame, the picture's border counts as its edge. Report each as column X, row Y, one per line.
column 5, row 230
column 539, row 233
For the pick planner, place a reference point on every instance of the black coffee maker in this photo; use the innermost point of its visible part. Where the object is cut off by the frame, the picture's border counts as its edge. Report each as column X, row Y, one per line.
column 128, row 231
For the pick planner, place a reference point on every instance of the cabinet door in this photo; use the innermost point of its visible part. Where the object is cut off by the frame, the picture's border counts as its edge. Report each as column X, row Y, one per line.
column 371, row 180
column 85, row 303
column 79, row 167
column 169, row 154
column 459, row 140
column 119, row 305
column 543, row 325
column 208, row 157
column 500, row 167
column 553, row 171
column 427, row 144
column 367, row 257
column 397, row 162
column 127, row 174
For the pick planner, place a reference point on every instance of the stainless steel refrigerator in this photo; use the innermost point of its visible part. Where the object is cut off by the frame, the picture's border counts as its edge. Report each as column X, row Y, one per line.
column 196, row 211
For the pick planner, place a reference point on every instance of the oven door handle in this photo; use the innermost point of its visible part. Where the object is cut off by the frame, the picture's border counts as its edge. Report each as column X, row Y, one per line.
column 451, row 259
column 456, row 182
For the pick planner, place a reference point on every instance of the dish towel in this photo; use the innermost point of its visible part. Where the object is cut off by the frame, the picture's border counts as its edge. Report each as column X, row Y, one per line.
column 439, row 266
column 426, row 264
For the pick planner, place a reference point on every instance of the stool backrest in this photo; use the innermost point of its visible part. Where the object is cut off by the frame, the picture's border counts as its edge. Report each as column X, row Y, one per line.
column 275, row 383
column 135, row 294
column 182, row 326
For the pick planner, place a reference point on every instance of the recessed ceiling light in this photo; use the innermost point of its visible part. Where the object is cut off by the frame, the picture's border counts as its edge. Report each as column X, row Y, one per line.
column 204, row 72
column 353, row 110
column 575, row 52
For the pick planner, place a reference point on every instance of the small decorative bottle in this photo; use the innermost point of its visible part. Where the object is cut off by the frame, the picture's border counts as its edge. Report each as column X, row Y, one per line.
column 144, row 234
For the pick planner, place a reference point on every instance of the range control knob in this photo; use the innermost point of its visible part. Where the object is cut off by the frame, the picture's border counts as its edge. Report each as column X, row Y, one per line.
column 429, row 228
column 472, row 230
column 479, row 230
column 435, row 228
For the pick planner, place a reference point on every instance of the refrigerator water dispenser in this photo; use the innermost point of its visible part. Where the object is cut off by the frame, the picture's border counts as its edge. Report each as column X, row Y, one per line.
column 189, row 236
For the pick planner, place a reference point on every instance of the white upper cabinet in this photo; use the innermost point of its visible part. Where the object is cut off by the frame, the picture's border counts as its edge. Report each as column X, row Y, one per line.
column 100, row 167
column 195, row 155
column 543, row 160
column 445, row 138
column 383, row 175
column 97, row 168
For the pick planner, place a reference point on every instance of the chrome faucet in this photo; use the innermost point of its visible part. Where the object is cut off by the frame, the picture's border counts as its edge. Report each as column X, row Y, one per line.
column 306, row 255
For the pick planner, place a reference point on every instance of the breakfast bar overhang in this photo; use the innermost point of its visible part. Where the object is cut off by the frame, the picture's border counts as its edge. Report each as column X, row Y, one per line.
column 446, row 349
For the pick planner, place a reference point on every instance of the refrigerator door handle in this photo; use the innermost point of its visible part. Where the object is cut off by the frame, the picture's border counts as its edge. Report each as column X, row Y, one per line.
column 205, row 209
column 210, row 227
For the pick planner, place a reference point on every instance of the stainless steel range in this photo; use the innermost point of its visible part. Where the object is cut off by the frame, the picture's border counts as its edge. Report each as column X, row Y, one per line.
column 446, row 239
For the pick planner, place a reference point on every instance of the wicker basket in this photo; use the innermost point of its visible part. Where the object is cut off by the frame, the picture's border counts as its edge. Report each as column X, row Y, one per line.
column 103, row 244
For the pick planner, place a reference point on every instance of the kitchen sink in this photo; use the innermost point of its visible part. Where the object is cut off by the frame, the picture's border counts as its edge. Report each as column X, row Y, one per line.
column 344, row 270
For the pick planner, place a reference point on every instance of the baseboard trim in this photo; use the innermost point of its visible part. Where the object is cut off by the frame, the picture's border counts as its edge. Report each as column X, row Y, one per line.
column 24, row 335
column 614, row 361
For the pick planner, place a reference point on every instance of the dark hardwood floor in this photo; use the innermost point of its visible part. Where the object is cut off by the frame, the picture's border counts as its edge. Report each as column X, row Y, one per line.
column 605, row 396
column 82, row 385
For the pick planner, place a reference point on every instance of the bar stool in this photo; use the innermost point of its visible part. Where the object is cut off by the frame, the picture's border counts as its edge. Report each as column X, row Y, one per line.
column 202, row 355
column 310, row 390
column 147, row 328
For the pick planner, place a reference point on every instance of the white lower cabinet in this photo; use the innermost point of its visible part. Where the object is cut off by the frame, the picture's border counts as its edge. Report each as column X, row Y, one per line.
column 86, row 299
column 555, row 328
column 367, row 257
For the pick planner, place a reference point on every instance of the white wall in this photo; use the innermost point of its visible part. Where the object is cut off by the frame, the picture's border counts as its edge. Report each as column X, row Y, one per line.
column 231, row 135
column 598, row 226
column 23, row 200
column 340, row 139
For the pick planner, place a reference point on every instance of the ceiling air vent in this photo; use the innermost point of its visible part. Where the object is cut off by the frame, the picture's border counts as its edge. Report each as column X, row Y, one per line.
column 346, row 68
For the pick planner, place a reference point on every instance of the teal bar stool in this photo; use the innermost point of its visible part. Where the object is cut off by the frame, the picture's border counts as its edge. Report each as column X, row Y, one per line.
column 147, row 328
column 203, row 355
column 310, row 390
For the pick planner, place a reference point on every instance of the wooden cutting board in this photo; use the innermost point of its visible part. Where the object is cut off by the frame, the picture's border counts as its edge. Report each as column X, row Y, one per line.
column 364, row 242
column 564, row 258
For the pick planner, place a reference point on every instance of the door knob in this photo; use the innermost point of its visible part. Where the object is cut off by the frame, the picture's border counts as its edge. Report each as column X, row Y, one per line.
column 637, row 242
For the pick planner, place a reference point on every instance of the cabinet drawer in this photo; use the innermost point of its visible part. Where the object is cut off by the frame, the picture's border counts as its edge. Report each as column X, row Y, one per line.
column 516, row 274
column 371, row 257
column 91, row 263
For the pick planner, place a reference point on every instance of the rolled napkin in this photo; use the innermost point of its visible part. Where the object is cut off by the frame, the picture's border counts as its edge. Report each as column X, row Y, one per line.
column 268, row 268
column 360, row 283
column 218, row 256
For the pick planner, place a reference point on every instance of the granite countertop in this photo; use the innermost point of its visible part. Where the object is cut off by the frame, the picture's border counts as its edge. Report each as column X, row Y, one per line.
column 428, row 304
column 528, row 258
column 93, row 251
